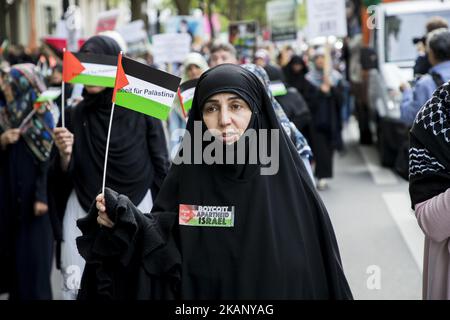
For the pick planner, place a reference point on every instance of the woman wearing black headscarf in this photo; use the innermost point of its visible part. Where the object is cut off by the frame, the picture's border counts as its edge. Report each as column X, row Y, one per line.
column 137, row 162
column 324, row 98
column 325, row 107
column 218, row 231
column 295, row 72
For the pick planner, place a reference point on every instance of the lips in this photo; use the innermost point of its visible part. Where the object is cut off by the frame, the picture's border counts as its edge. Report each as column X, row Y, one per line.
column 228, row 137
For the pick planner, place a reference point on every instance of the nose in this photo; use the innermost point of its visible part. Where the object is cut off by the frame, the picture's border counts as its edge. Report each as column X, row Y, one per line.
column 225, row 117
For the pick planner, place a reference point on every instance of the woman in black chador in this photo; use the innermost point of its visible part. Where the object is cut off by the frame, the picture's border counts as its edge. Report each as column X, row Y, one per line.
column 218, row 231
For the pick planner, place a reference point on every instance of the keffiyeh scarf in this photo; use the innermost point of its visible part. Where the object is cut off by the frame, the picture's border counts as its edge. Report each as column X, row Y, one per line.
column 429, row 153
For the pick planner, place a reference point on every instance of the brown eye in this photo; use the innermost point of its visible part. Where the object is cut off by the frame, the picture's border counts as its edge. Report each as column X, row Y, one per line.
column 236, row 107
column 210, row 109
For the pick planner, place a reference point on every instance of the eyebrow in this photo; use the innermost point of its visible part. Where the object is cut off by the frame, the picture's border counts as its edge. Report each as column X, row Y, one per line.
column 230, row 98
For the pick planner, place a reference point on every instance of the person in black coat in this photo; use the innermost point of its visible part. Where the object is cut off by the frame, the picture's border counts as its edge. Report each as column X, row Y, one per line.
column 326, row 103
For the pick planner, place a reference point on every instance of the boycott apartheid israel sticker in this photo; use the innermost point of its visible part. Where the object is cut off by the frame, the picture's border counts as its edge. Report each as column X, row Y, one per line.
column 206, row 216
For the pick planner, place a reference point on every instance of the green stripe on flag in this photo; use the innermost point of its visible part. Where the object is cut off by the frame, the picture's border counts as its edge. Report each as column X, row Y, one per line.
column 91, row 80
column 140, row 104
column 188, row 105
column 48, row 95
column 279, row 92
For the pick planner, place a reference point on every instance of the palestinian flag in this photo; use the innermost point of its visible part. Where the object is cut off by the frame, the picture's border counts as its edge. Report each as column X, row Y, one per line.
column 187, row 90
column 49, row 95
column 89, row 69
column 144, row 89
column 277, row 88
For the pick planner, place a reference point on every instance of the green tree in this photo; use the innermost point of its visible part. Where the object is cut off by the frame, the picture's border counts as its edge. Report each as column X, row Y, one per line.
column 236, row 9
column 183, row 7
column 9, row 10
column 136, row 10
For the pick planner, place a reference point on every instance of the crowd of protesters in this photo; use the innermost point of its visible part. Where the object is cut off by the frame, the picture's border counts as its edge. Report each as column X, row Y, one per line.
column 43, row 195
column 50, row 176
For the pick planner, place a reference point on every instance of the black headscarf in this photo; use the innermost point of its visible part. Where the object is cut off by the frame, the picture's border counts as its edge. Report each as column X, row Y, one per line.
column 290, row 73
column 225, row 82
column 129, row 167
column 429, row 156
column 282, row 245
column 101, row 45
column 298, row 80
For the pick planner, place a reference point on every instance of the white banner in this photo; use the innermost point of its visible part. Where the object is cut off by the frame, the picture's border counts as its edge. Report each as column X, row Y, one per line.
column 326, row 18
column 170, row 47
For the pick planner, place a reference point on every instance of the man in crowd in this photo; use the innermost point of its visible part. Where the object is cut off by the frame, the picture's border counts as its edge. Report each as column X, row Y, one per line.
column 222, row 53
column 438, row 44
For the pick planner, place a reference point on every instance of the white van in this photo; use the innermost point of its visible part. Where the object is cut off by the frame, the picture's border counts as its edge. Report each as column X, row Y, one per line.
column 396, row 25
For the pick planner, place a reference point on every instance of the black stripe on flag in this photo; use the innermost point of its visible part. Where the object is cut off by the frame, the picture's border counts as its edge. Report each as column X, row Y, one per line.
column 149, row 74
column 188, row 85
column 96, row 58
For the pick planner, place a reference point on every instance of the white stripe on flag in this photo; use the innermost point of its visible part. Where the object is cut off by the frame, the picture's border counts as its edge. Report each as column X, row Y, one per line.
column 188, row 94
column 150, row 91
column 277, row 87
column 49, row 94
column 94, row 69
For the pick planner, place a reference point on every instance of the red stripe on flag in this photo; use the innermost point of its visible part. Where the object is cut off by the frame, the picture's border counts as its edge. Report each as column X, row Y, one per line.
column 121, row 78
column 71, row 66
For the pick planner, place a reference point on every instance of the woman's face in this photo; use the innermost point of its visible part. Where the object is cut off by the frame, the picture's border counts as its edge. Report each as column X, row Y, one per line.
column 297, row 67
column 193, row 71
column 319, row 61
column 94, row 90
column 226, row 116
column 221, row 57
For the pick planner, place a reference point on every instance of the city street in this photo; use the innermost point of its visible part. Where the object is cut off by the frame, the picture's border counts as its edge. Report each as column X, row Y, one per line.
column 98, row 95
column 376, row 229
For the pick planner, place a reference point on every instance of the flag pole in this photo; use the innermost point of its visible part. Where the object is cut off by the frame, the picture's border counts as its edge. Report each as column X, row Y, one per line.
column 107, row 147
column 63, row 122
column 110, row 125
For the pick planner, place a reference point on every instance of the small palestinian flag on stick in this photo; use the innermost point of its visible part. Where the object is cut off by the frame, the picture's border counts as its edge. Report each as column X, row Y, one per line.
column 277, row 88
column 187, row 90
column 144, row 89
column 49, row 95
